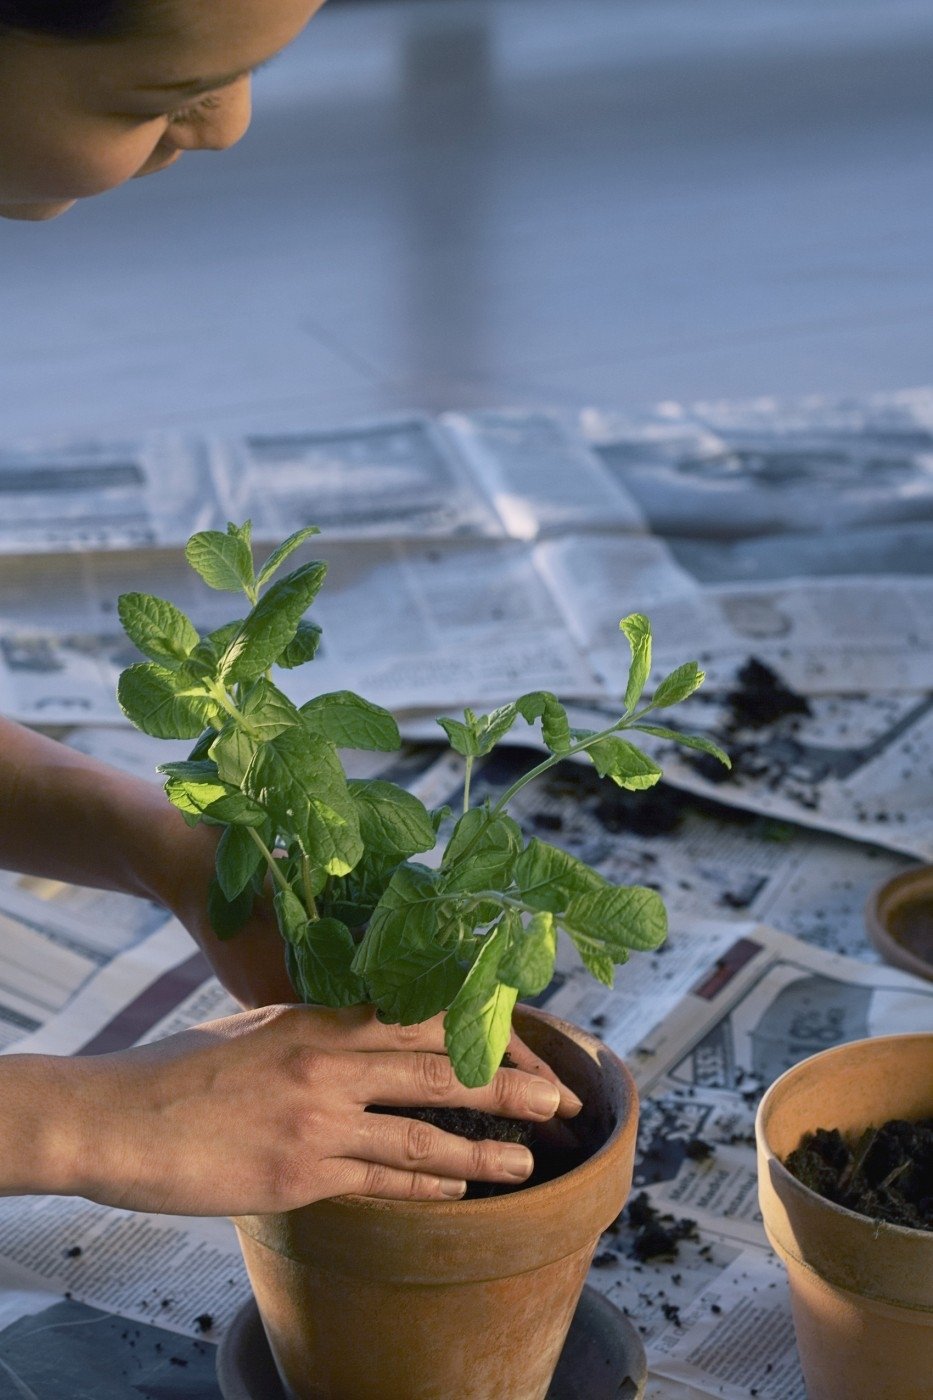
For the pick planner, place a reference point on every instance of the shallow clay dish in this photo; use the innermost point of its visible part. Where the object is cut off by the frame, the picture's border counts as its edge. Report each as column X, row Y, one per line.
column 603, row 1357
column 899, row 915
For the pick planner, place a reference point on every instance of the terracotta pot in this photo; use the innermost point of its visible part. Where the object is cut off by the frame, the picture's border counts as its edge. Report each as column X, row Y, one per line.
column 398, row 1300
column 862, row 1290
column 899, row 916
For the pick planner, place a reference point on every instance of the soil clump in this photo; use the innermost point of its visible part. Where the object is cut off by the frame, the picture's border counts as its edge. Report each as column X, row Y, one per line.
column 887, row 1174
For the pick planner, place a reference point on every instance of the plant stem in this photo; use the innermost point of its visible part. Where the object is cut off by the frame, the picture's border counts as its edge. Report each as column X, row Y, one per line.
column 466, row 784
column 550, row 762
column 310, row 903
column 271, row 861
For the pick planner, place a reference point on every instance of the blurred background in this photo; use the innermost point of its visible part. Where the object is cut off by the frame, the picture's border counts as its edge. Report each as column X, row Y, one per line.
column 454, row 203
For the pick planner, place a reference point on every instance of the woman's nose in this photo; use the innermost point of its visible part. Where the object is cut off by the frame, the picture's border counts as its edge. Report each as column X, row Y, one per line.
column 218, row 126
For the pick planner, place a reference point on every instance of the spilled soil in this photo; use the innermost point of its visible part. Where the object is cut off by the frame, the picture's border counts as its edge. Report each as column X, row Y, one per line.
column 886, row 1174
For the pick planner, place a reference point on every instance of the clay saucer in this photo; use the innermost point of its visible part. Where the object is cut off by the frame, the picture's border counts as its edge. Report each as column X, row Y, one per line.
column 899, row 915
column 603, row 1357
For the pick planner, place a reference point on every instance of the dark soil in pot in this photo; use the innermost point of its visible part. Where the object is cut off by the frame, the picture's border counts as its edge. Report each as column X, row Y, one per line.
column 554, row 1146
column 886, row 1174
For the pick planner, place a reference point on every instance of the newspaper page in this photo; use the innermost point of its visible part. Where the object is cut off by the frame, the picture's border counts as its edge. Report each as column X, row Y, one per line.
column 403, row 624
column 860, row 766
column 400, row 478
column 689, row 1258
column 540, row 475
column 83, row 494
column 850, row 634
column 183, row 1275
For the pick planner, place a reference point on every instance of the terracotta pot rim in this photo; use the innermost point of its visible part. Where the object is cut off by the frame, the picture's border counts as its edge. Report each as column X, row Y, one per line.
column 503, row 1205
column 885, row 898
column 792, row 1183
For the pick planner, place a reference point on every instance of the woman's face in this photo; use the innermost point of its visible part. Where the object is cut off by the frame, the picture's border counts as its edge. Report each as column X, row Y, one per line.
column 77, row 119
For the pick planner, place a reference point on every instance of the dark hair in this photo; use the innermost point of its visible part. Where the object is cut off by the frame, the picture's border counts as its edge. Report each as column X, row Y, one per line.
column 72, row 19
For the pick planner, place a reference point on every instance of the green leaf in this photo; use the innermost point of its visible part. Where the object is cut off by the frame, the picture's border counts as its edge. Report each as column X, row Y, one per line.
column 625, row 764
column 637, row 629
column 202, row 745
column 281, row 553
column 689, row 741
column 158, row 702
column 298, row 779
column 618, row 917
column 272, row 624
column 160, row 630
column 550, row 878
column 195, row 788
column 479, row 734
column 478, row 1025
column 320, row 955
column 351, row 722
column 462, row 737
column 211, row 648
column 409, row 976
column 601, row 965
column 267, row 711
column 528, row 963
column 393, row 823
column 555, row 727
column 224, row 562
column 237, row 860
column 228, row 916
column 679, row 685
column 481, row 852
column 302, row 647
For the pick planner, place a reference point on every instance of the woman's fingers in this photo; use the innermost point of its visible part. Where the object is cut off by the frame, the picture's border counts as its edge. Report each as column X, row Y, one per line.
column 390, row 1184
column 527, row 1060
column 416, row 1080
column 420, row 1147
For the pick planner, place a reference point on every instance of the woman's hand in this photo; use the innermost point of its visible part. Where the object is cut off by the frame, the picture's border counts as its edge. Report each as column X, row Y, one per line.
column 266, row 1111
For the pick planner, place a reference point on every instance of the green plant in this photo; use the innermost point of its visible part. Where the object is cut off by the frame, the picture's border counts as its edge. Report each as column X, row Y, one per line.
column 361, row 920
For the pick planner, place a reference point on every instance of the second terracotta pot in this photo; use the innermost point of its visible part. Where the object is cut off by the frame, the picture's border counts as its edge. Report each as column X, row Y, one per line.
column 861, row 1290
column 394, row 1300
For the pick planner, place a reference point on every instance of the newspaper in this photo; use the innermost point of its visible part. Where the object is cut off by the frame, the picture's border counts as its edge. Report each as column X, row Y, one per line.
column 403, row 624
column 83, row 494
column 493, row 475
column 717, row 1315
column 749, row 1001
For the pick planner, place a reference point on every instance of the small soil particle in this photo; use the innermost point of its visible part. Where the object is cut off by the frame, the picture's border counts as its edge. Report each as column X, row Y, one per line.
column 74, row 1252
column 204, row 1322
column 698, row 1150
column 886, row 1174
column 605, row 1259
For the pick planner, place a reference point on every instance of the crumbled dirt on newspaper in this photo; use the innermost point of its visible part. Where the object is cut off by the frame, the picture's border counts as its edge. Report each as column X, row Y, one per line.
column 761, row 697
column 886, row 1174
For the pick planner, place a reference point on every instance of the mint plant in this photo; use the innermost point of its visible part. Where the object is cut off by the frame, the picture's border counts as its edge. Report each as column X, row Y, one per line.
column 361, row 920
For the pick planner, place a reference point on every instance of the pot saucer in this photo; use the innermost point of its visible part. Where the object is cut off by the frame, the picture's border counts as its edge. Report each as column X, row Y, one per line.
column 603, row 1357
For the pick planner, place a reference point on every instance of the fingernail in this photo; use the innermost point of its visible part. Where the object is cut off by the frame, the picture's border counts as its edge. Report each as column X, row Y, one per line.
column 517, row 1161
column 454, row 1189
column 543, row 1098
column 569, row 1100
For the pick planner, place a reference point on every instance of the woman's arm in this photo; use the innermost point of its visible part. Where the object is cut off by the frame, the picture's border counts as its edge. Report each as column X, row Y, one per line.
column 263, row 1111
column 70, row 817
